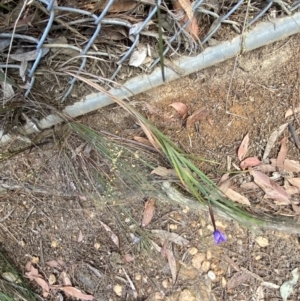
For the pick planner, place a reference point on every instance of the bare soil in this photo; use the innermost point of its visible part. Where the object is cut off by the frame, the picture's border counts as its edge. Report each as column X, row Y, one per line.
column 249, row 94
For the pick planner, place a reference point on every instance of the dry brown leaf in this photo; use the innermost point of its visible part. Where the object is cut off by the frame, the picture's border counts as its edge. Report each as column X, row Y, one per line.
column 153, row 110
column 172, row 264
column 196, row 116
column 224, row 183
column 181, row 108
column 74, row 292
column 272, row 139
column 271, row 189
column 291, row 112
column 294, row 181
column 142, row 140
column 80, row 237
column 33, row 274
column 267, row 167
column 113, row 236
column 289, row 165
column 128, row 257
column 171, row 236
column 117, row 7
column 31, row 270
column 192, row 27
column 291, row 190
column 243, row 148
column 65, row 279
column 250, row 162
column 56, row 263
column 249, row 186
column 44, row 286
column 237, row 279
column 148, row 212
column 281, row 155
column 164, row 172
column 150, row 136
column 237, row 197
column 186, row 5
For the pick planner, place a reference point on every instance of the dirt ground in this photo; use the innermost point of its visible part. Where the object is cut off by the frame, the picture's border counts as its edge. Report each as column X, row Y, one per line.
column 249, row 94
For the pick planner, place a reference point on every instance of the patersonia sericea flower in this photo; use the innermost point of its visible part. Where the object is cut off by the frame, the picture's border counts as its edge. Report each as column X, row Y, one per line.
column 219, row 237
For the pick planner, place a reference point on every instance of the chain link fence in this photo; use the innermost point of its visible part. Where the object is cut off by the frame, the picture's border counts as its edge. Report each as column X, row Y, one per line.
column 135, row 25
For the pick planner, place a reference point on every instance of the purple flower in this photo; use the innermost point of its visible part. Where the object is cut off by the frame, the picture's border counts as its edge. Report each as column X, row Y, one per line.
column 219, row 237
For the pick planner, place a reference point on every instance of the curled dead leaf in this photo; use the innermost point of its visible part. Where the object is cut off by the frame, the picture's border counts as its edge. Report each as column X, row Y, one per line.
column 250, row 162
column 181, row 108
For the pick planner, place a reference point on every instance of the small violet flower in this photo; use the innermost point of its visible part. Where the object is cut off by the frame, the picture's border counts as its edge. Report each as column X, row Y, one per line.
column 219, row 237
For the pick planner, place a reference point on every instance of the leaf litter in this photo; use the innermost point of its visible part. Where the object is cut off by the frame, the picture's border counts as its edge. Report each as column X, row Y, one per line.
column 281, row 168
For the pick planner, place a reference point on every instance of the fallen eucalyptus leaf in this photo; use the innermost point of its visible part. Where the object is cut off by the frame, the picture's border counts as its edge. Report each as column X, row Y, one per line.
column 243, row 148
column 272, row 139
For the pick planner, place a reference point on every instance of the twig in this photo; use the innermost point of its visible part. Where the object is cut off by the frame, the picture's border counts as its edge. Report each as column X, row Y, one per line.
column 7, row 215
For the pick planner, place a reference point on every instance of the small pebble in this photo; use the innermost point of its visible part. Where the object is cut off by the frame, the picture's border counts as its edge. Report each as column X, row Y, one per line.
column 205, row 266
column 262, row 241
column 224, row 282
column 193, row 251
column 197, row 260
column 173, row 226
column 211, row 275
column 118, row 289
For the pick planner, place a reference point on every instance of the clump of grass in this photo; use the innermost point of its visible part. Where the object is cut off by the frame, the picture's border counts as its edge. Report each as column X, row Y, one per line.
column 15, row 288
column 191, row 177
